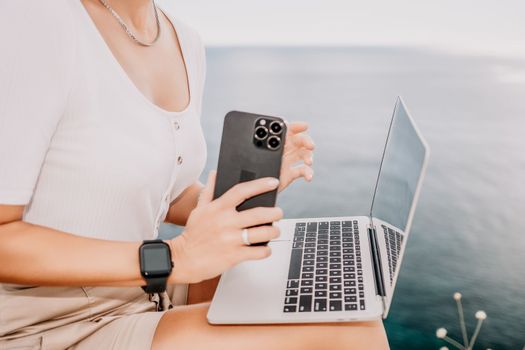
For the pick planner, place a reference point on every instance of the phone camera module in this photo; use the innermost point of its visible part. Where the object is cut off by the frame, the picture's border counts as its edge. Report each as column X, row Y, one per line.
column 261, row 132
column 276, row 127
column 274, row 142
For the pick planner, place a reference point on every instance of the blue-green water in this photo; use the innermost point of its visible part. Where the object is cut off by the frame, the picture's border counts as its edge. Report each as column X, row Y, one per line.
column 469, row 229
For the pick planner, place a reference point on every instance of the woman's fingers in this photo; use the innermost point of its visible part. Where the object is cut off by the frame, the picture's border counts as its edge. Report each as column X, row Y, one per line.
column 254, row 253
column 298, row 154
column 259, row 216
column 296, row 127
column 206, row 195
column 300, row 171
column 261, row 234
column 301, row 140
column 242, row 191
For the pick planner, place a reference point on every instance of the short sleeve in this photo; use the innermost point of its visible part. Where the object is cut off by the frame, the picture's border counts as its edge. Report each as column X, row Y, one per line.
column 36, row 64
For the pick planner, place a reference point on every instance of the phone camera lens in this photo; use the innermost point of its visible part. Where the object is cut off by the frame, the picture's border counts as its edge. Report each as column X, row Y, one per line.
column 274, row 142
column 276, row 127
column 261, row 132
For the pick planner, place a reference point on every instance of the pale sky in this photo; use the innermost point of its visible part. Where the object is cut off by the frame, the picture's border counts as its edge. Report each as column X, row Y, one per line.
column 477, row 26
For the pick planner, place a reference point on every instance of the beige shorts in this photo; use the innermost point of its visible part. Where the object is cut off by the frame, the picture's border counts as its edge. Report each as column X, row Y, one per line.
column 58, row 318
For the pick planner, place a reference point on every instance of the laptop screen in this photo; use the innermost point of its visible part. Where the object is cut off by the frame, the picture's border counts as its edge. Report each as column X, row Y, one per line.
column 400, row 171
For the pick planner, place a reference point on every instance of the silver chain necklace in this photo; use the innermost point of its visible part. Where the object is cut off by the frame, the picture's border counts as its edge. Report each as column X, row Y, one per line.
column 127, row 30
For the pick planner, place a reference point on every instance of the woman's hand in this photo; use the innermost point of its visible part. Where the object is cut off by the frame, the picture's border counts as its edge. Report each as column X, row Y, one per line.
column 212, row 241
column 298, row 148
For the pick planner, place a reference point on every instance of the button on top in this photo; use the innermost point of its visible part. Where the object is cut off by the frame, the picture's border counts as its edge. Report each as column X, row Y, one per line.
column 176, row 125
column 179, row 160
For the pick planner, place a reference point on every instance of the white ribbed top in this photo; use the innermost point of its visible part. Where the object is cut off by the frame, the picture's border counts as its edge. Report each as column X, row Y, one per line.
column 80, row 145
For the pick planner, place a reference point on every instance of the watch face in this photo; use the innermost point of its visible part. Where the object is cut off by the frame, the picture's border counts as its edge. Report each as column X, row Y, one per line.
column 155, row 259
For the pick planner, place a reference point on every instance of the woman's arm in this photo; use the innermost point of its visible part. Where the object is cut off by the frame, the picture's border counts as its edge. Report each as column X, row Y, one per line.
column 210, row 244
column 37, row 255
column 180, row 209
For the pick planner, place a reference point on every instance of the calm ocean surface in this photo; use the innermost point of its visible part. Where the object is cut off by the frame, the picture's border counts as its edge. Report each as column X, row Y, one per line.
column 469, row 228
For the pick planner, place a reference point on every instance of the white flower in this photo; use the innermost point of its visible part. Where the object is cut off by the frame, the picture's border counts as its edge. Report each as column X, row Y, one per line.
column 441, row 333
column 443, row 348
column 457, row 296
column 481, row 315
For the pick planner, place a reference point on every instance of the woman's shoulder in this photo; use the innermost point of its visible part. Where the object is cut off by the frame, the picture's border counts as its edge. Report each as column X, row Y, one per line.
column 36, row 15
column 185, row 32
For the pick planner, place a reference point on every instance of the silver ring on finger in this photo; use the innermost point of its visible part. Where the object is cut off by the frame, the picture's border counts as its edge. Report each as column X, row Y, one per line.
column 244, row 235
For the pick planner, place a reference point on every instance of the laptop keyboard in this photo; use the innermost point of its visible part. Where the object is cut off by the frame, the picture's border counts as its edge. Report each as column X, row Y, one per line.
column 393, row 241
column 326, row 272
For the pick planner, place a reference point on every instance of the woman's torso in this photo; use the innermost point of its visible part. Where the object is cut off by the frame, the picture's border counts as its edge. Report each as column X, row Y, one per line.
column 115, row 160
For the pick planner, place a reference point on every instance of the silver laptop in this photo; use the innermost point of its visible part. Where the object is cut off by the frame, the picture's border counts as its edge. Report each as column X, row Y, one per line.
column 334, row 268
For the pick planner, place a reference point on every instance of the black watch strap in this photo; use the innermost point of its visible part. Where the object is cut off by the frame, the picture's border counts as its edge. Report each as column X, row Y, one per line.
column 155, row 284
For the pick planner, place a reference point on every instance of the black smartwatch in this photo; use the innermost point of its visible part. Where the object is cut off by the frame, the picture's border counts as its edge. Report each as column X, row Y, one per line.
column 155, row 265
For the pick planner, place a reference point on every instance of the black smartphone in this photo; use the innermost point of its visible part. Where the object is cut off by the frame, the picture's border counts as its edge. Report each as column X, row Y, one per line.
column 251, row 147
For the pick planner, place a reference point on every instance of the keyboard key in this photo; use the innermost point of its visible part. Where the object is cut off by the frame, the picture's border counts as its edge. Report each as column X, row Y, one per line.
column 300, row 224
column 293, row 284
column 295, row 264
column 292, row 292
column 307, row 275
column 311, row 227
column 305, row 303
column 321, row 272
column 309, row 250
column 336, row 295
column 349, row 276
column 322, row 265
column 290, row 308
column 321, row 293
column 335, row 273
column 349, row 283
column 335, row 260
column 291, row 300
column 361, row 304
column 322, row 259
column 349, row 290
column 350, row 307
column 323, row 225
column 319, row 286
column 309, row 256
column 321, row 278
column 335, row 279
column 335, row 287
column 350, row 299
column 308, row 269
column 319, row 304
column 308, row 262
column 336, row 305
column 307, row 283
column 335, row 266
column 306, row 290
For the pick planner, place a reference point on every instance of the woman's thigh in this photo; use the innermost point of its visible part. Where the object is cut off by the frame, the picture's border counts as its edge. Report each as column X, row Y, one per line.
column 186, row 327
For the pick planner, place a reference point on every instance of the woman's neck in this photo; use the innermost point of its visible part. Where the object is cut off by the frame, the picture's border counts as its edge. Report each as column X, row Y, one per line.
column 137, row 13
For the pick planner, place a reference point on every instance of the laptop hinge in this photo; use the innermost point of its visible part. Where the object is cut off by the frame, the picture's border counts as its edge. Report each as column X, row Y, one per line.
column 376, row 264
